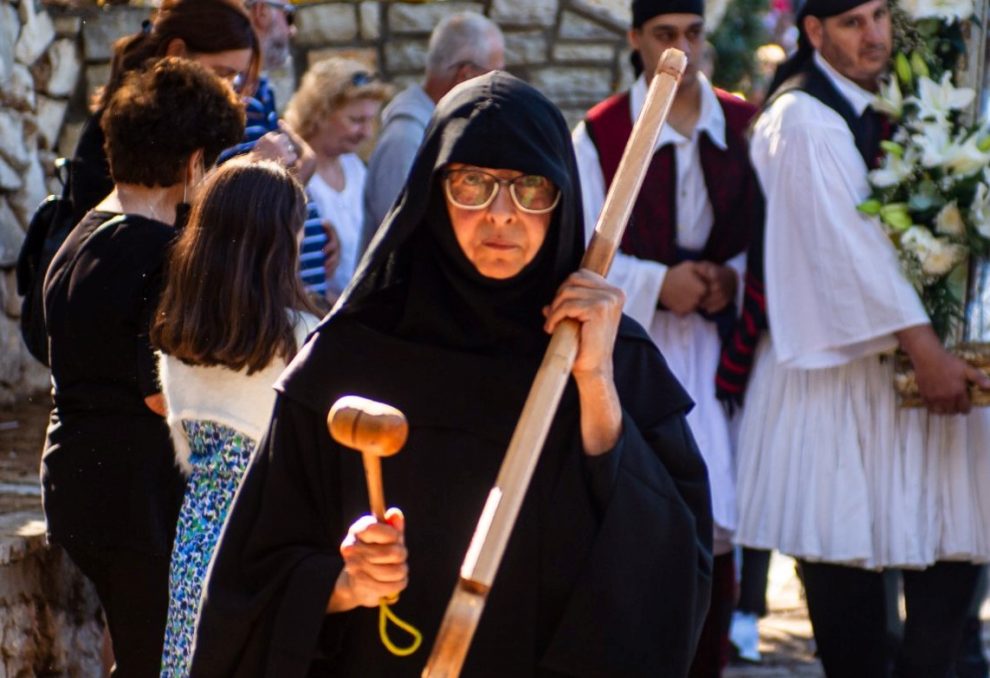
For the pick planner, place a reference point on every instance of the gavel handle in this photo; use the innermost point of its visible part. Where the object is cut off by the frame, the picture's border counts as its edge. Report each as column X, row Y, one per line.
column 376, row 491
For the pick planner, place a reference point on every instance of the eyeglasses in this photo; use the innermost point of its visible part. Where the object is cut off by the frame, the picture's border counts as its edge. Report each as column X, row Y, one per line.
column 473, row 189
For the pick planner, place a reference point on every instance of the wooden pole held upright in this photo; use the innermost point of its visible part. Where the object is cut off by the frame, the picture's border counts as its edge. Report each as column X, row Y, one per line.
column 505, row 499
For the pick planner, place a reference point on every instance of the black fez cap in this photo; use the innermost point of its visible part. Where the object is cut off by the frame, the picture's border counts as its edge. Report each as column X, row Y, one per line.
column 644, row 10
column 823, row 9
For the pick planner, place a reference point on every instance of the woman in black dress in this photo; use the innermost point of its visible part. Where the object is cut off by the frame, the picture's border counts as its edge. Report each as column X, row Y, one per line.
column 111, row 486
column 607, row 572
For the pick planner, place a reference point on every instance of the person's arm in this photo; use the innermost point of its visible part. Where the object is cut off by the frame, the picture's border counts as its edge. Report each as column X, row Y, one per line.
column 650, row 551
column 943, row 379
column 835, row 290
column 588, row 299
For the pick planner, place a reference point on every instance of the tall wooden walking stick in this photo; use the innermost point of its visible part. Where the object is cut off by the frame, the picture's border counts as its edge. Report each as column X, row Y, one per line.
column 376, row 430
column 499, row 514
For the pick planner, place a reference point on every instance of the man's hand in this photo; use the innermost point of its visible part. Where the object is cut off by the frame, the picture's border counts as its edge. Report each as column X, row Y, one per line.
column 943, row 379
column 305, row 165
column 288, row 149
column 684, row 287
column 277, row 147
column 722, row 282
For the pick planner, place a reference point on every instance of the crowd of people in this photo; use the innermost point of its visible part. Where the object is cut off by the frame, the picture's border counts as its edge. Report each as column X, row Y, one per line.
column 732, row 386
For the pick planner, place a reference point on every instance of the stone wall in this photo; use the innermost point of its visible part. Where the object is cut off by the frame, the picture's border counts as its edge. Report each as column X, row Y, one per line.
column 572, row 50
column 54, row 55
column 49, row 614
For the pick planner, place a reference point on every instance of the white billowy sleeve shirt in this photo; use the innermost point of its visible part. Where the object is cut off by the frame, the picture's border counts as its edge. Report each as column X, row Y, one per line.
column 835, row 290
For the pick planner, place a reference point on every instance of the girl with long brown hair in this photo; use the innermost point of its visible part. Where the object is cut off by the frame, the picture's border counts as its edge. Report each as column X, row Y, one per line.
column 232, row 314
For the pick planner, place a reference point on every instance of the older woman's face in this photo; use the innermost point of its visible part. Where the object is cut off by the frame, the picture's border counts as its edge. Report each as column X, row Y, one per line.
column 346, row 128
column 500, row 239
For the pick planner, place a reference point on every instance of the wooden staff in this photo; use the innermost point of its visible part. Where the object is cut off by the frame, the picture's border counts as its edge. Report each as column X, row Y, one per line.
column 499, row 514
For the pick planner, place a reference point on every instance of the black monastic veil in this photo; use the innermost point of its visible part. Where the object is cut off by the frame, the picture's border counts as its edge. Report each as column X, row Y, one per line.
column 608, row 569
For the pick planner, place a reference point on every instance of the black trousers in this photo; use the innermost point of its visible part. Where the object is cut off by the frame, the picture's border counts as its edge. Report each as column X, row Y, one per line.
column 133, row 589
column 848, row 610
column 753, row 581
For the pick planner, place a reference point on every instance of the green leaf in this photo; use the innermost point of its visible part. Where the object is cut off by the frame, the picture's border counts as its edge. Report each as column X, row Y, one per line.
column 870, row 207
column 903, row 69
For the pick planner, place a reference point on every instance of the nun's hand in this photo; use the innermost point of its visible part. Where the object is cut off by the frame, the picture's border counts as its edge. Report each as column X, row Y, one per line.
column 375, row 564
column 588, row 299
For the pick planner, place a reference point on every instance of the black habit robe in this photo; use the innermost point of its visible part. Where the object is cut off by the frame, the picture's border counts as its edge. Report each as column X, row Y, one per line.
column 608, row 570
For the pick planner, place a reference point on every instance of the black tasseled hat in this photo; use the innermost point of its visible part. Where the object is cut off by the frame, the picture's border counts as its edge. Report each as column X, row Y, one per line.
column 826, row 8
column 644, row 10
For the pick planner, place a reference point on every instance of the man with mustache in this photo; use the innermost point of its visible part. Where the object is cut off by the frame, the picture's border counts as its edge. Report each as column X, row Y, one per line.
column 831, row 469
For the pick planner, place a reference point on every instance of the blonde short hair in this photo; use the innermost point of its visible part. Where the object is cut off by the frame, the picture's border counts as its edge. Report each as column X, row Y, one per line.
column 328, row 85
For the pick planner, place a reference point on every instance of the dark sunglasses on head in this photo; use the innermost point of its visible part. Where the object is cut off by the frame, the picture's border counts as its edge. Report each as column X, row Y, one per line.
column 362, row 78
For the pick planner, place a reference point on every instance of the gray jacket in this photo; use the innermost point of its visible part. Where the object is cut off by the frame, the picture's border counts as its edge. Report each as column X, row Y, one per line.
column 404, row 122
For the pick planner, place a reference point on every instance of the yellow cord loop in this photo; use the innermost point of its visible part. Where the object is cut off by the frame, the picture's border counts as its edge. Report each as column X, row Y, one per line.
column 384, row 615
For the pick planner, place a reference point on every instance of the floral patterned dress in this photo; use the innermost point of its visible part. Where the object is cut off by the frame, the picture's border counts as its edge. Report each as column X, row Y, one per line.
column 219, row 456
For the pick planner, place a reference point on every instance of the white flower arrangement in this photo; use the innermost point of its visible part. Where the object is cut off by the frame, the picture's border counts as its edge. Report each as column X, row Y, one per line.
column 931, row 191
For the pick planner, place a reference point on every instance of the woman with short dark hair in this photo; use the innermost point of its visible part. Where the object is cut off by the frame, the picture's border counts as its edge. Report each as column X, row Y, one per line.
column 110, row 485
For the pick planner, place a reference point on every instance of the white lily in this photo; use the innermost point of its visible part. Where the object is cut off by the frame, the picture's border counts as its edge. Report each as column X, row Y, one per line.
column 894, row 170
column 935, row 100
column 947, row 10
column 949, row 221
column 889, row 99
column 979, row 209
column 932, row 142
column 966, row 158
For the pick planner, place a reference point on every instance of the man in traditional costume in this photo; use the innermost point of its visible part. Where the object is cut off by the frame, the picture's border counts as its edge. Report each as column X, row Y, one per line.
column 607, row 572
column 683, row 251
column 831, row 470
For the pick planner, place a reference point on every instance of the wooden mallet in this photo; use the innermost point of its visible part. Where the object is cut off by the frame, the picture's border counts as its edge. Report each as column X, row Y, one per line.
column 376, row 430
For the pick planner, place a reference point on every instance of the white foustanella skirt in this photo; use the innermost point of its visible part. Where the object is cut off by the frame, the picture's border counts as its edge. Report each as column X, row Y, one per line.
column 831, row 469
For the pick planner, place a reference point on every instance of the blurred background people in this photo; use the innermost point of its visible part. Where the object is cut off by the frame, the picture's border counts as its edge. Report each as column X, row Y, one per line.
column 233, row 313
column 334, row 111
column 462, row 46
column 215, row 33
column 111, row 488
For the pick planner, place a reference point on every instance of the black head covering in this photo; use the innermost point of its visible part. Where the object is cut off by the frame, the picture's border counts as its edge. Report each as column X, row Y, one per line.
column 644, row 10
column 821, row 9
column 415, row 282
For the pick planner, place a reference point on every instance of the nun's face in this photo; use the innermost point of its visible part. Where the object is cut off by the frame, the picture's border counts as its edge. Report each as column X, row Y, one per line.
column 499, row 238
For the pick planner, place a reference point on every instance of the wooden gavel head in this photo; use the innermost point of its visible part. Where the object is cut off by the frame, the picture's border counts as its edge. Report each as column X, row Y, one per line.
column 371, row 427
